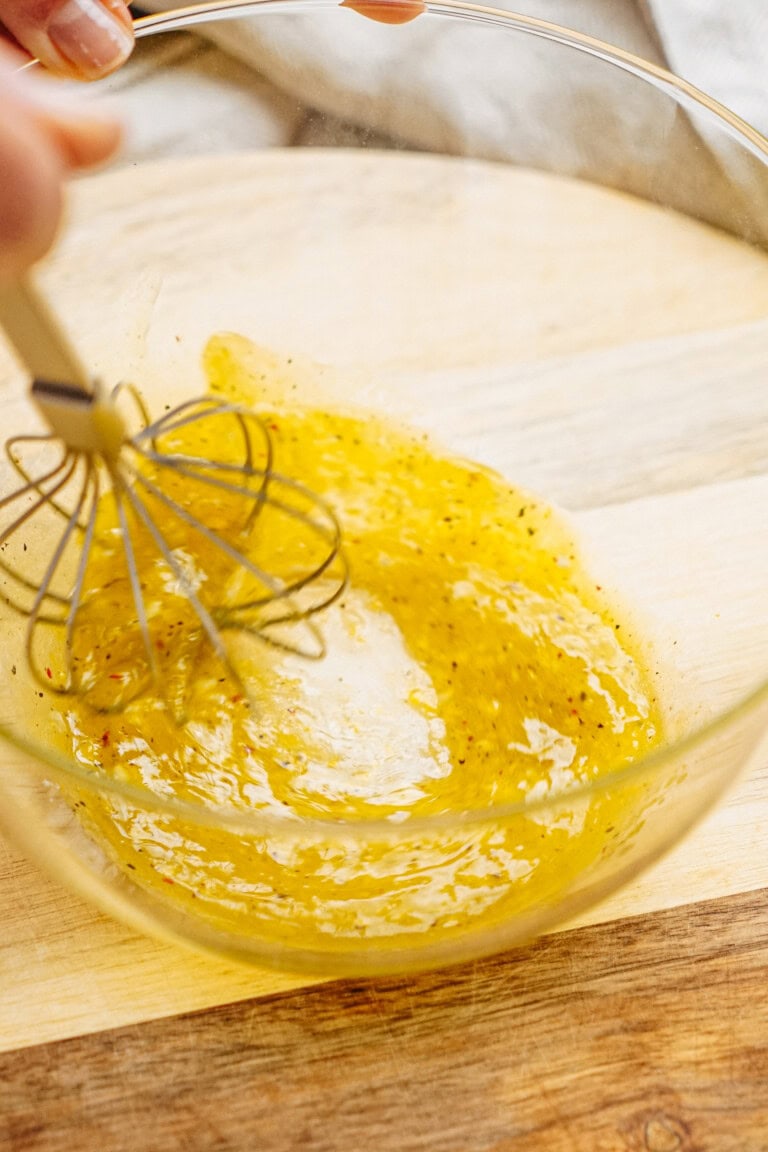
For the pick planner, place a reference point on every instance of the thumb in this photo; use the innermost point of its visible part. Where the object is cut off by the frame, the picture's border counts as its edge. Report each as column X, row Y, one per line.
column 85, row 39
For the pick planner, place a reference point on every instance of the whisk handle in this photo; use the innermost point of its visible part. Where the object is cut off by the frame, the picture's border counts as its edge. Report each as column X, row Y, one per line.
column 38, row 339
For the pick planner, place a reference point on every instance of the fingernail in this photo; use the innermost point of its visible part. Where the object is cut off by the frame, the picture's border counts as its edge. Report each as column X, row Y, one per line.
column 89, row 37
column 120, row 12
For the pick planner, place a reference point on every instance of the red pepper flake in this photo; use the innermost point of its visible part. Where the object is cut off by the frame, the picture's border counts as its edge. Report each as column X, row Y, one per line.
column 105, row 737
column 275, row 427
column 236, row 698
column 49, row 674
column 116, row 676
column 167, row 880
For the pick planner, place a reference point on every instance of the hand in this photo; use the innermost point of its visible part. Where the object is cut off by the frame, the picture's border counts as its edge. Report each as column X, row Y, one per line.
column 84, row 39
column 43, row 136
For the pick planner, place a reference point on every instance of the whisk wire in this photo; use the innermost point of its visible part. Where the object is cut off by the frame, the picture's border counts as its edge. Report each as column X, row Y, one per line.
column 143, row 477
column 184, row 583
column 92, row 479
column 34, row 484
column 44, row 500
column 12, row 447
column 275, row 586
column 135, row 583
column 37, row 617
column 204, row 408
column 330, row 531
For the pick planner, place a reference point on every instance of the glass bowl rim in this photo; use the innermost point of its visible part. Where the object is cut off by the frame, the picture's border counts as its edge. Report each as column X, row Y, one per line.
column 208, row 11
column 260, row 823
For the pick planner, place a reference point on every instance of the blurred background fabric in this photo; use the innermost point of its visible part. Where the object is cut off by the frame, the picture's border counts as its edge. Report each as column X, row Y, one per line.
column 464, row 89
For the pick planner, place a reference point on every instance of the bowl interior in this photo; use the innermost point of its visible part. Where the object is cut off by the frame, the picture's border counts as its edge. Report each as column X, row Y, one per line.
column 600, row 349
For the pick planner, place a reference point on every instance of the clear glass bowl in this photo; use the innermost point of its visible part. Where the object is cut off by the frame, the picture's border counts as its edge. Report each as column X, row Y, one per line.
column 541, row 250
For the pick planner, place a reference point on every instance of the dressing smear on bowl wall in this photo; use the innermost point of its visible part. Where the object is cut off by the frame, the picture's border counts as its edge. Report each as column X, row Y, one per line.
column 472, row 664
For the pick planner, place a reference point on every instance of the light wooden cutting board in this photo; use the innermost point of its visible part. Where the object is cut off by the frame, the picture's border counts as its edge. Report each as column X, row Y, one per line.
column 657, row 290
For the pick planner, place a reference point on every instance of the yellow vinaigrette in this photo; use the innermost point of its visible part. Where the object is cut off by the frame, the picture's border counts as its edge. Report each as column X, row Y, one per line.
column 472, row 664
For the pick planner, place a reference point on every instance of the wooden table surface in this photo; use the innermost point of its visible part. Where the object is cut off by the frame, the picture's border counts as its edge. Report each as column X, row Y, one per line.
column 643, row 1027
column 649, row 1033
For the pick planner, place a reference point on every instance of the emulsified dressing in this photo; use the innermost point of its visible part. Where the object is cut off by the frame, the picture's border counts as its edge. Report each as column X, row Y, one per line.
column 472, row 663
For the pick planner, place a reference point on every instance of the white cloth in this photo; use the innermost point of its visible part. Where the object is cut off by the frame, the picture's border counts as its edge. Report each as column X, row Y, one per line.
column 721, row 46
column 464, row 89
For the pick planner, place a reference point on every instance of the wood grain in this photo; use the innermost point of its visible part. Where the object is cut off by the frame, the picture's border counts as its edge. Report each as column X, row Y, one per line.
column 646, row 1035
column 67, row 970
column 382, row 263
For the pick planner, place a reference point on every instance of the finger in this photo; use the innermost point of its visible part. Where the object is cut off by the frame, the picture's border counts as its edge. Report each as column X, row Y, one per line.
column 30, row 203
column 9, row 40
column 81, row 136
column 387, row 11
column 81, row 38
column 81, row 141
column 43, row 133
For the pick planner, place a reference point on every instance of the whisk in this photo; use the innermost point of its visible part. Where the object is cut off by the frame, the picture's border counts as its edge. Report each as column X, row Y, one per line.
column 118, row 515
